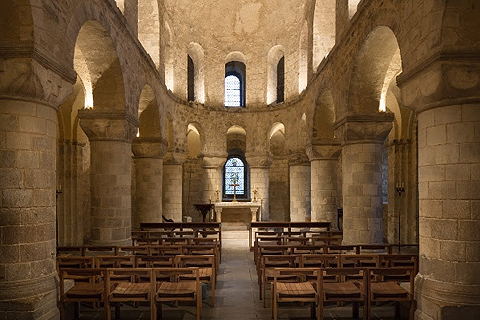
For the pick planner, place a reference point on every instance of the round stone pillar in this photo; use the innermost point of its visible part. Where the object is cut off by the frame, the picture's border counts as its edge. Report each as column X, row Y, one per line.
column 148, row 154
column 300, row 182
column 448, row 283
column 259, row 181
column 212, row 166
column 362, row 140
column 173, row 185
column 29, row 96
column 110, row 135
column 323, row 165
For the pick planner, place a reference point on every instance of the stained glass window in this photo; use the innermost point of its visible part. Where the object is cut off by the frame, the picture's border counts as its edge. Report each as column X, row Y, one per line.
column 232, row 91
column 234, row 174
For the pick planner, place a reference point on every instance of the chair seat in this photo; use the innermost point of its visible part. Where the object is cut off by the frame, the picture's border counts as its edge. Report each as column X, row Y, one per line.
column 338, row 290
column 129, row 289
column 177, row 289
column 388, row 290
column 203, row 274
column 295, row 290
column 86, row 289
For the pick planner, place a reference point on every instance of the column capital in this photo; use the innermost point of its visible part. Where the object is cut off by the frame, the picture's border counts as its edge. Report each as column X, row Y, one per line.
column 108, row 126
column 25, row 74
column 256, row 160
column 149, row 147
column 175, row 158
column 298, row 158
column 372, row 128
column 323, row 150
column 213, row 161
column 443, row 79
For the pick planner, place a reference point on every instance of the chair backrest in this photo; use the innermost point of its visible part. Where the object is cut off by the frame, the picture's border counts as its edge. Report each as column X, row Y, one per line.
column 99, row 250
column 395, row 274
column 319, row 260
column 69, row 250
column 276, row 261
column 166, row 250
column 399, row 260
column 156, row 261
column 133, row 250
column 76, row 262
column 115, row 261
column 202, row 261
column 359, row 260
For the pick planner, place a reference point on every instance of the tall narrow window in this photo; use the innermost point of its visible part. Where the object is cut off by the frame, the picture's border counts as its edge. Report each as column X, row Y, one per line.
column 235, row 84
column 191, row 79
column 281, row 80
column 232, row 91
column 235, row 178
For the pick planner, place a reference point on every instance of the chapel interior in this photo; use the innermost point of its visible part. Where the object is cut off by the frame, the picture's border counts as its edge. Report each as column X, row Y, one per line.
column 361, row 113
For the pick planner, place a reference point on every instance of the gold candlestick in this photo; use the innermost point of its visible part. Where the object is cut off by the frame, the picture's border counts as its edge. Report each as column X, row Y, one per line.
column 255, row 195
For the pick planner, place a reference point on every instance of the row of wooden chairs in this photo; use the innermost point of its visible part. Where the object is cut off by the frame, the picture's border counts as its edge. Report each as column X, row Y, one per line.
column 318, row 286
column 118, row 285
column 147, row 248
column 265, row 271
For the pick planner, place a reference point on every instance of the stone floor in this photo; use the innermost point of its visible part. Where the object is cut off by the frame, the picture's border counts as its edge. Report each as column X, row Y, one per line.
column 237, row 296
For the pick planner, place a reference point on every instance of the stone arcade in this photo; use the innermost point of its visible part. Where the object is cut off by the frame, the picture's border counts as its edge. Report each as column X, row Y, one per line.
column 114, row 113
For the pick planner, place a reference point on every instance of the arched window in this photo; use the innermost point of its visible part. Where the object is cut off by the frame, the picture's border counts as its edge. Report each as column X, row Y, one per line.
column 191, row 79
column 232, row 91
column 281, row 80
column 235, row 84
column 235, row 178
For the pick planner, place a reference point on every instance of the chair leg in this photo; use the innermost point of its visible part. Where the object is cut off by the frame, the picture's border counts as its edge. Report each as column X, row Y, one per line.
column 117, row 311
column 411, row 312
column 107, row 310
column 199, row 305
column 153, row 310
column 355, row 310
column 275, row 308
column 61, row 308
column 320, row 309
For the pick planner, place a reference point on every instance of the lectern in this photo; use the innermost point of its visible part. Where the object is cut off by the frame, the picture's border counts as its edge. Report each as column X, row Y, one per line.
column 204, row 209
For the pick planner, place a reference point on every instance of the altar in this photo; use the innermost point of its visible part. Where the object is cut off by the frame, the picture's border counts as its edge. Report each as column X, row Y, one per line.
column 254, row 208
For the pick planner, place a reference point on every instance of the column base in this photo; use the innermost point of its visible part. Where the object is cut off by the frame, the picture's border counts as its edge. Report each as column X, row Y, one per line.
column 445, row 301
column 17, row 301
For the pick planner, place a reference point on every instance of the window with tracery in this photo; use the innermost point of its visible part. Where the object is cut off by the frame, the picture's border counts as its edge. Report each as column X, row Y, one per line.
column 235, row 177
column 232, row 91
column 235, row 84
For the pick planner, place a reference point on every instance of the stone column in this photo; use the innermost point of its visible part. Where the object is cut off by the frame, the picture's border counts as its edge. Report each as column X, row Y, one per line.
column 300, row 183
column 323, row 162
column 172, row 185
column 212, row 166
column 110, row 135
column 362, row 140
column 29, row 97
column 445, row 96
column 148, row 154
column 259, row 180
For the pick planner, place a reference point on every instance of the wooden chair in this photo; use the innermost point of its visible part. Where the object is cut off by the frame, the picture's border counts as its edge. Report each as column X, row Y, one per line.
column 384, row 285
column 130, row 290
column 267, row 265
column 320, row 261
column 206, row 265
column 359, row 260
column 203, row 249
column 297, row 289
column 307, row 249
column 90, row 291
column 208, row 242
column 77, row 262
column 343, row 289
column 177, row 290
column 174, row 241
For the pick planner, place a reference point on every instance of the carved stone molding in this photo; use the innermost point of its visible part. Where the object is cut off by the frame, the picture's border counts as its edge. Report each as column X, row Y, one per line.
column 149, row 147
column 445, row 78
column 27, row 79
column 256, row 160
column 298, row 158
column 175, row 158
column 110, row 126
column 364, row 128
column 323, row 150
column 210, row 161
